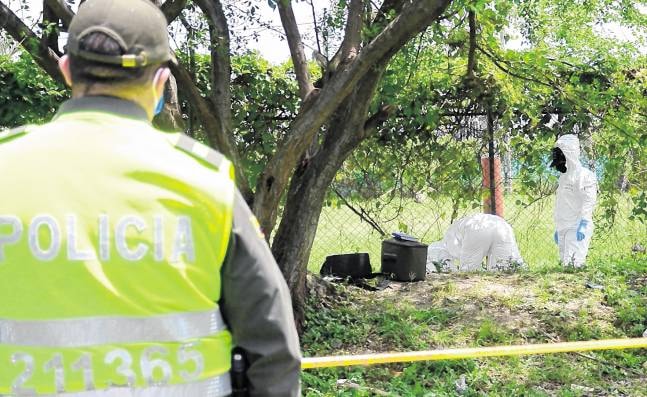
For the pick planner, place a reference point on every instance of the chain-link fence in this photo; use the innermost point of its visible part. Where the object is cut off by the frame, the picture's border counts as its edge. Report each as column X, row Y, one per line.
column 420, row 184
column 358, row 226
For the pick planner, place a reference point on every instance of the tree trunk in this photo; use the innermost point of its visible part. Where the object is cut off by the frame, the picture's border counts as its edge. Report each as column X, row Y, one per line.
column 271, row 184
column 307, row 191
column 171, row 117
column 296, row 232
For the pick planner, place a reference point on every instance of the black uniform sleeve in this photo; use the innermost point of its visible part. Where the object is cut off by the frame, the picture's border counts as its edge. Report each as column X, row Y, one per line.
column 257, row 307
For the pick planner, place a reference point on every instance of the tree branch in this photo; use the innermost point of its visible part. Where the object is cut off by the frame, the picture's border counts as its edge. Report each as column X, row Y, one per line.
column 220, row 57
column 217, row 119
column 387, row 7
column 49, row 37
column 62, row 10
column 172, row 9
column 363, row 215
column 44, row 56
column 379, row 118
column 352, row 35
column 497, row 63
column 471, row 55
column 415, row 62
column 314, row 22
column 415, row 17
column 297, row 53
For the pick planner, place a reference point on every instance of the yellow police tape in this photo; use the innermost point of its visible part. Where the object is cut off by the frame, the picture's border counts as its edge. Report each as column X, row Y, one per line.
column 472, row 352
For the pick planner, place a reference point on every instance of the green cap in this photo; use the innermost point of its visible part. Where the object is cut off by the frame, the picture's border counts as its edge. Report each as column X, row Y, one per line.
column 137, row 25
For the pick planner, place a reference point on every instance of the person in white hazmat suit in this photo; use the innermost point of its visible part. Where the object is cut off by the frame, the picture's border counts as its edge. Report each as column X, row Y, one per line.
column 469, row 240
column 574, row 204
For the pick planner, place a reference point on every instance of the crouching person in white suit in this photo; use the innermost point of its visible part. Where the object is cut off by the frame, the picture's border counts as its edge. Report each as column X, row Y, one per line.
column 469, row 240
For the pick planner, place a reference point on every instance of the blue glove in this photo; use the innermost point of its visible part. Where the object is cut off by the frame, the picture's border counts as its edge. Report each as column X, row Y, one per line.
column 580, row 230
column 555, row 237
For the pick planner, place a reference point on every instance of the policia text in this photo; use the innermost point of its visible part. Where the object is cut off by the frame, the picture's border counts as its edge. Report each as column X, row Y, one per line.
column 45, row 235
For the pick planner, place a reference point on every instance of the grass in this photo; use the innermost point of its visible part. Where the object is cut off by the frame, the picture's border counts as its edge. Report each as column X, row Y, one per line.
column 341, row 231
column 543, row 304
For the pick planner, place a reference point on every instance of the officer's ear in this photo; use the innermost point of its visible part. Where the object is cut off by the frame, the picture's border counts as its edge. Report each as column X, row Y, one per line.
column 64, row 66
column 161, row 76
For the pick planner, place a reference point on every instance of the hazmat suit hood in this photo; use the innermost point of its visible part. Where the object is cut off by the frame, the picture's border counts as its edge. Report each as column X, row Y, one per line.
column 437, row 257
column 570, row 145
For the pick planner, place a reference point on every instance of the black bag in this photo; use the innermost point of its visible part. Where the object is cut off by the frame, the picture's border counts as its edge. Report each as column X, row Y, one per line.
column 347, row 265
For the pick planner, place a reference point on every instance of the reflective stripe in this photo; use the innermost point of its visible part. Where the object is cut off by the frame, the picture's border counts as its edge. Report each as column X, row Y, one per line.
column 215, row 158
column 214, row 387
column 198, row 149
column 6, row 134
column 88, row 331
column 185, row 143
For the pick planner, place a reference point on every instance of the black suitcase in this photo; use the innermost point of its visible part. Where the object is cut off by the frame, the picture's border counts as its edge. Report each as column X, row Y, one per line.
column 404, row 260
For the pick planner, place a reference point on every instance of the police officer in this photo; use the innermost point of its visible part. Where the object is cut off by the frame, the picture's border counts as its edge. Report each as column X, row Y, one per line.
column 129, row 263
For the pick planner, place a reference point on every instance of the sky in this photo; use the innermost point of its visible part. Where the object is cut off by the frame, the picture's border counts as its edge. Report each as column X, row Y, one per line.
column 270, row 44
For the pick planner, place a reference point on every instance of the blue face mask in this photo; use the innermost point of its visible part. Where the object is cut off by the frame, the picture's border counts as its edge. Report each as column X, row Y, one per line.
column 160, row 106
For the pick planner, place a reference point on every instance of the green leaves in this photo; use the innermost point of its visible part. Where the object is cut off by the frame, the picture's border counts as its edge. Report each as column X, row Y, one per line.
column 33, row 96
column 565, row 78
column 264, row 103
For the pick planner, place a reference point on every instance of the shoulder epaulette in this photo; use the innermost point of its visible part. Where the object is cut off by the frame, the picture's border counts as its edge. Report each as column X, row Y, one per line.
column 199, row 150
column 14, row 132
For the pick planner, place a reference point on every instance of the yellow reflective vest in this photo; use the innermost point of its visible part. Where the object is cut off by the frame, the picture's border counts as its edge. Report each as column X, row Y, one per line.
column 112, row 236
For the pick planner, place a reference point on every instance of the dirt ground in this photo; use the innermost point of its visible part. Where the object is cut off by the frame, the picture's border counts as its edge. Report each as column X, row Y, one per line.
column 497, row 309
